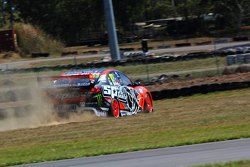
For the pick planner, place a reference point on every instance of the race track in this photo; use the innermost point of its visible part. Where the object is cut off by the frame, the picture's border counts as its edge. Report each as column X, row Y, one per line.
column 24, row 63
column 173, row 156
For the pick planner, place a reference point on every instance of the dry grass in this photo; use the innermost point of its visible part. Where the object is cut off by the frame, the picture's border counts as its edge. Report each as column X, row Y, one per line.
column 32, row 39
column 9, row 56
column 196, row 119
column 64, row 62
column 230, row 164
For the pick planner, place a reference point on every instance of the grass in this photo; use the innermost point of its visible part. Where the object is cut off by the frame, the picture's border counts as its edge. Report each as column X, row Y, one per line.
column 141, row 69
column 171, row 66
column 134, row 71
column 63, row 62
column 186, row 120
column 245, row 163
column 32, row 39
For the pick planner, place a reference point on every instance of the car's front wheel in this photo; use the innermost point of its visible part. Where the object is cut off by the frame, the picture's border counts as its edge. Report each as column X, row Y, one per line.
column 115, row 108
column 148, row 104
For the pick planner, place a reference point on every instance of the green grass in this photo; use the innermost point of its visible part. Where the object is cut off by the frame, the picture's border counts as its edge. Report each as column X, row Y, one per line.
column 245, row 163
column 140, row 69
column 134, row 71
column 171, row 66
column 186, row 120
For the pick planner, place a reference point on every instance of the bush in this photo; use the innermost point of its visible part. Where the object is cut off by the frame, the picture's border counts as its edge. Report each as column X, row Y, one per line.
column 32, row 39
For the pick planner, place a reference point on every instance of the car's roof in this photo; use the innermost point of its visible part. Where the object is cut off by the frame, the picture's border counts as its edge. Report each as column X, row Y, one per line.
column 76, row 72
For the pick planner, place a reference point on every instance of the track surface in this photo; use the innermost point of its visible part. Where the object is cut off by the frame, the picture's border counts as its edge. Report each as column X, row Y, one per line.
column 173, row 156
column 23, row 63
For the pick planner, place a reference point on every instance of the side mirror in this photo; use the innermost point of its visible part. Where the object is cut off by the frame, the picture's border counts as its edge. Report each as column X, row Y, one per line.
column 137, row 83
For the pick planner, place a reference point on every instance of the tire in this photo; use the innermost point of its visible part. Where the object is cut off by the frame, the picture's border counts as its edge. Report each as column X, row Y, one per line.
column 148, row 104
column 115, row 109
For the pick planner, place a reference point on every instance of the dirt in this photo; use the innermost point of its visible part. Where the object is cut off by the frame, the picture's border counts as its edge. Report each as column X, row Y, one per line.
column 30, row 108
column 177, row 84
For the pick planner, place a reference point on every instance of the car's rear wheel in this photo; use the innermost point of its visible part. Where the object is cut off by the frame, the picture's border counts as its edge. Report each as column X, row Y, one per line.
column 115, row 109
column 148, row 104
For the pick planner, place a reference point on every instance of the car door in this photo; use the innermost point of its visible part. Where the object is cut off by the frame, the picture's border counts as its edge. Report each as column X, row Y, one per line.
column 120, row 90
column 111, row 89
column 131, row 94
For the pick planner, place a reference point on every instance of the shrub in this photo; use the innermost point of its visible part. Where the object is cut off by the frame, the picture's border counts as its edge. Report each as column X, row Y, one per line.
column 32, row 39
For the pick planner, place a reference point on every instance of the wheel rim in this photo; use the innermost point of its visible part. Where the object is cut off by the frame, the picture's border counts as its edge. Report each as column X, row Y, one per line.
column 115, row 108
column 148, row 104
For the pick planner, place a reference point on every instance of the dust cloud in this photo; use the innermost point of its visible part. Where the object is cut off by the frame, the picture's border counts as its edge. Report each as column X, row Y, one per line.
column 24, row 104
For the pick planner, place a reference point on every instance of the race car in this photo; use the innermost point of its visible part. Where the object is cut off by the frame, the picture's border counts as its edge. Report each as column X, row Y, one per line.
column 107, row 92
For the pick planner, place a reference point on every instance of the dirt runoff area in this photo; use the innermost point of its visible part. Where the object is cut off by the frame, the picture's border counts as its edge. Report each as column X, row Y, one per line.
column 177, row 84
column 23, row 104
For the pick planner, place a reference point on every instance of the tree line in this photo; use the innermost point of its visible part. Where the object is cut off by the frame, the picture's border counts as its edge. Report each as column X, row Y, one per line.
column 69, row 20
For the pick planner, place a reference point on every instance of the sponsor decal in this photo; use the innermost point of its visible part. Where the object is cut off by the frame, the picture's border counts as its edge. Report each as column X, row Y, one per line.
column 99, row 99
column 123, row 94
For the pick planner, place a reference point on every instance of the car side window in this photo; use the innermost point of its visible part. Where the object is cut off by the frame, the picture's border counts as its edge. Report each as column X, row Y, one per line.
column 103, row 80
column 110, row 78
column 114, row 78
column 125, row 80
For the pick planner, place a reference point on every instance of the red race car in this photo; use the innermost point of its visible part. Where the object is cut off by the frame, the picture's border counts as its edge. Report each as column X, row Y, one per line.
column 104, row 91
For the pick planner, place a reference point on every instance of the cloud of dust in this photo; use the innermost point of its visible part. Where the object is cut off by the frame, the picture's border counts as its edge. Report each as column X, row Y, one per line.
column 34, row 108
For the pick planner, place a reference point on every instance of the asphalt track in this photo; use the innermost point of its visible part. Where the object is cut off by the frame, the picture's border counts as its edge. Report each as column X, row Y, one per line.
column 181, row 156
column 23, row 63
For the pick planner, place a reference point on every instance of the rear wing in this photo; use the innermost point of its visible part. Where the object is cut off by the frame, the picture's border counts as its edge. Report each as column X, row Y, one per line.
column 65, row 81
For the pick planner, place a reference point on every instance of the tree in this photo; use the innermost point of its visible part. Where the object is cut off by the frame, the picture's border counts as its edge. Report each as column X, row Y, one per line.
column 193, row 8
column 234, row 10
column 65, row 19
column 159, row 9
column 128, row 12
column 74, row 20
